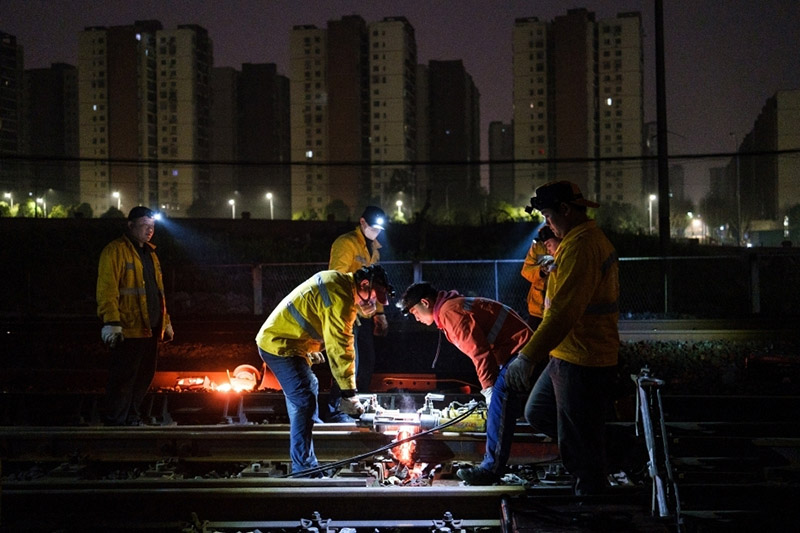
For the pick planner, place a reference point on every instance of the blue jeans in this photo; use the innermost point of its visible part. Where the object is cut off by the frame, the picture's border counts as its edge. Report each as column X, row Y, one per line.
column 569, row 402
column 501, row 421
column 300, row 388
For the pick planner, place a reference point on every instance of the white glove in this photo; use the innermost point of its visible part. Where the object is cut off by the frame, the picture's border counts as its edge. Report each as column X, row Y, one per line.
column 315, row 357
column 381, row 325
column 487, row 395
column 351, row 406
column 111, row 335
column 518, row 374
column 169, row 333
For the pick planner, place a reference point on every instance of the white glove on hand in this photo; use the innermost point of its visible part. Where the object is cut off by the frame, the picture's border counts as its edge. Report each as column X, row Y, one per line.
column 169, row 333
column 315, row 357
column 351, row 406
column 381, row 325
column 112, row 335
column 487, row 395
column 518, row 374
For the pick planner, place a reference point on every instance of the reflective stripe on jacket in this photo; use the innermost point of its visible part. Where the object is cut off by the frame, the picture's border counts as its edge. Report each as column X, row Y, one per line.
column 487, row 331
column 581, row 303
column 349, row 253
column 318, row 314
column 121, row 295
column 531, row 272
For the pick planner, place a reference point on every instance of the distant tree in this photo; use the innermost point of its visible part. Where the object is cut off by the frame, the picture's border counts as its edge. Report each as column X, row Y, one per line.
column 500, row 211
column 28, row 208
column 620, row 218
column 203, row 208
column 678, row 216
column 306, row 214
column 7, row 211
column 113, row 212
column 83, row 210
column 337, row 210
column 58, row 211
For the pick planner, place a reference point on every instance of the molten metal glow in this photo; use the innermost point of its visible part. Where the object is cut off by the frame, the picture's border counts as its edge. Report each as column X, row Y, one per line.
column 405, row 452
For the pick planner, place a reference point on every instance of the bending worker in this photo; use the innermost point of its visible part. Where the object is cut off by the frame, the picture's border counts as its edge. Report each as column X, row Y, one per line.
column 318, row 316
column 535, row 269
column 578, row 338
column 490, row 334
column 349, row 252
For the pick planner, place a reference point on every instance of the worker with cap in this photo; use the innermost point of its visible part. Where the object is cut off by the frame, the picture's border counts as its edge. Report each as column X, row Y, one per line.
column 313, row 320
column 132, row 306
column 578, row 338
column 535, row 269
column 349, row 252
column 490, row 333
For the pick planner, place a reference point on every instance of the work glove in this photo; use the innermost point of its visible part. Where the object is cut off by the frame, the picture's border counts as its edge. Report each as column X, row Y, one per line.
column 169, row 333
column 351, row 406
column 518, row 374
column 367, row 307
column 381, row 325
column 487, row 395
column 315, row 357
column 111, row 335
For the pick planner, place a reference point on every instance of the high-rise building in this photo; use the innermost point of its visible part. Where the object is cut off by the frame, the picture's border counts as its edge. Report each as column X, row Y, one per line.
column 224, row 139
column 308, row 89
column 353, row 114
column 501, row 153
column 51, row 130
column 117, row 114
column 183, row 78
column 768, row 182
column 393, row 113
column 454, row 136
column 11, row 72
column 578, row 105
column 264, row 146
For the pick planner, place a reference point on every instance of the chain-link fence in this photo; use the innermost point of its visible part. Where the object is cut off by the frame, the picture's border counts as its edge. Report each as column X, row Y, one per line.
column 760, row 284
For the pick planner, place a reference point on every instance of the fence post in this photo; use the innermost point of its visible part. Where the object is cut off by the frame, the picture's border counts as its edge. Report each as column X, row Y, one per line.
column 258, row 293
column 755, row 285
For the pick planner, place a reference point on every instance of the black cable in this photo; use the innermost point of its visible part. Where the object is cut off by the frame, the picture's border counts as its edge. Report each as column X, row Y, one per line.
column 389, row 446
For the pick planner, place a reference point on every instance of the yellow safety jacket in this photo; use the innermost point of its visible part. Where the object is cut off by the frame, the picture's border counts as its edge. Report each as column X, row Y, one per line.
column 531, row 271
column 318, row 314
column 581, row 303
column 349, row 253
column 121, row 294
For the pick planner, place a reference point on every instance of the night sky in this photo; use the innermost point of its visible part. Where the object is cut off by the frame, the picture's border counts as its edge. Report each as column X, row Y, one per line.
column 723, row 58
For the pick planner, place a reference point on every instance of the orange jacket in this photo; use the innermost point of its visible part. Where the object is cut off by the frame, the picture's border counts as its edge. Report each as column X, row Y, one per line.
column 487, row 331
column 532, row 272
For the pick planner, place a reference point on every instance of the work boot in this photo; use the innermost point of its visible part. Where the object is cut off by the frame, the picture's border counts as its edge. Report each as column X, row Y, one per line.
column 477, row 476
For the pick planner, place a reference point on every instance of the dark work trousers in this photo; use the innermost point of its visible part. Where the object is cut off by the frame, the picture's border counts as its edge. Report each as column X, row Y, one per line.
column 131, row 369
column 363, row 331
column 569, row 402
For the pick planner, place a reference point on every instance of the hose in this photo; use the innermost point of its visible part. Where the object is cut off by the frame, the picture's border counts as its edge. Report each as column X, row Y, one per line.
column 389, row 446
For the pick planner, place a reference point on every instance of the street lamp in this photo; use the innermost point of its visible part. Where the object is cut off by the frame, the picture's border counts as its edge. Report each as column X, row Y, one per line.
column 116, row 195
column 650, row 201
column 10, row 199
column 271, row 212
column 43, row 203
column 232, row 203
column 399, row 204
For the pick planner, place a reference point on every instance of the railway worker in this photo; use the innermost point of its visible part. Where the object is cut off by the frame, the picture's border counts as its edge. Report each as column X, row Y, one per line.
column 318, row 315
column 578, row 338
column 132, row 306
column 490, row 333
column 535, row 269
column 349, row 252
